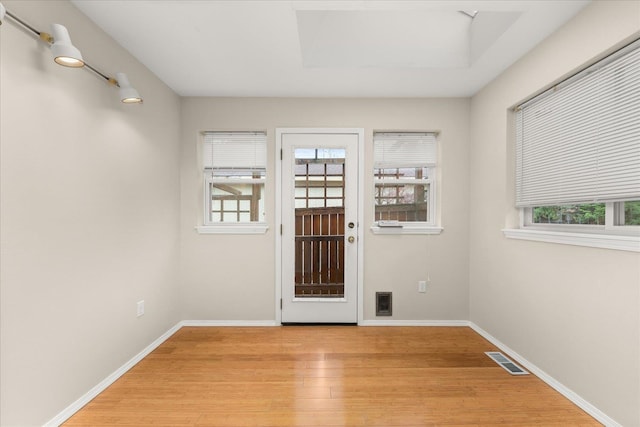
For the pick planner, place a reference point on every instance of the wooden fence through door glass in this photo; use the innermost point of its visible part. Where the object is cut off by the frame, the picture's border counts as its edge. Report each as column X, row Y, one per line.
column 319, row 252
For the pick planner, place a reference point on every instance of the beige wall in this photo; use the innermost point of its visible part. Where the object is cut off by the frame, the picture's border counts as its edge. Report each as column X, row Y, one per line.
column 89, row 224
column 232, row 277
column 572, row 311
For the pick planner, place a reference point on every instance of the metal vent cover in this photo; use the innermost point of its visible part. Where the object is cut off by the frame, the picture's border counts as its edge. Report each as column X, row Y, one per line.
column 506, row 363
column 384, row 304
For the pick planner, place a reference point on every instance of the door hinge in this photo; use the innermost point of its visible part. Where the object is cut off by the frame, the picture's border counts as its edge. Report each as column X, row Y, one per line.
column 281, row 229
column 280, row 303
column 281, row 154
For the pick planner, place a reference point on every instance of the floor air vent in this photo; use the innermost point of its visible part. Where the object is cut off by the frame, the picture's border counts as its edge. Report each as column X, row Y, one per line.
column 507, row 364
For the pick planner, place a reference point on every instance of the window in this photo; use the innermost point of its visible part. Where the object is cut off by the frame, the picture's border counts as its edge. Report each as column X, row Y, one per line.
column 234, row 166
column 578, row 151
column 629, row 213
column 622, row 214
column 319, row 177
column 583, row 214
column 404, row 182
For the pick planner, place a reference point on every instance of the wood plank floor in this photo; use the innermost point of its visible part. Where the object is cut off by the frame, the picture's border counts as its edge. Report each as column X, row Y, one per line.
column 326, row 376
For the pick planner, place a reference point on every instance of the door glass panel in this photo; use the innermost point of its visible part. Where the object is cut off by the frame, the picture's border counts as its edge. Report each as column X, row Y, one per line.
column 319, row 222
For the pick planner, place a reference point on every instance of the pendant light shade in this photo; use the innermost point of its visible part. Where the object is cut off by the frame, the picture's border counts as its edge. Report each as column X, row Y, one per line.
column 127, row 93
column 64, row 53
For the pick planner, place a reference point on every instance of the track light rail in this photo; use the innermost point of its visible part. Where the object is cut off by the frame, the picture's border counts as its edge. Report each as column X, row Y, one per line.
column 67, row 55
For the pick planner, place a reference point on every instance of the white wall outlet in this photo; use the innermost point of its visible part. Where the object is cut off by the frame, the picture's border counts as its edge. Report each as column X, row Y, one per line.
column 140, row 308
column 422, row 286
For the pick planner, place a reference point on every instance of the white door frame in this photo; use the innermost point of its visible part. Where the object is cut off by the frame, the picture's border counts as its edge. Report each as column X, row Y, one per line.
column 278, row 219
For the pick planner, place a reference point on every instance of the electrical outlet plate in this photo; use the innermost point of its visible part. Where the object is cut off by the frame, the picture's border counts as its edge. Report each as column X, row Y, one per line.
column 140, row 308
column 422, row 286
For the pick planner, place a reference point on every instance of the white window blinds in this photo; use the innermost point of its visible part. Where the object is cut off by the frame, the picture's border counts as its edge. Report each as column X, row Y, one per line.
column 580, row 142
column 235, row 150
column 399, row 150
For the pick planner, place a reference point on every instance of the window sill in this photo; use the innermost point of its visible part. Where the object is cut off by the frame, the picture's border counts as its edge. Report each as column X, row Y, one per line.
column 253, row 228
column 593, row 240
column 407, row 229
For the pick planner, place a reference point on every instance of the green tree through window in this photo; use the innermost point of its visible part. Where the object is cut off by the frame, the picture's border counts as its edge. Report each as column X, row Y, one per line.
column 632, row 213
column 586, row 214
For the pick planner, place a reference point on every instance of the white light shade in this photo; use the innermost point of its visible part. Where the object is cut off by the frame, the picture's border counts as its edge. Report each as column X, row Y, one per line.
column 64, row 53
column 3, row 11
column 128, row 94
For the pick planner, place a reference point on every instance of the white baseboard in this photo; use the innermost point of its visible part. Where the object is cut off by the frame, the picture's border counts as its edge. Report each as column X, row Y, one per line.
column 235, row 323
column 392, row 322
column 559, row 387
column 100, row 387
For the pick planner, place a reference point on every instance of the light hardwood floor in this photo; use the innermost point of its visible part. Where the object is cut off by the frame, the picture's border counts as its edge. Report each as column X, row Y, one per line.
column 326, row 376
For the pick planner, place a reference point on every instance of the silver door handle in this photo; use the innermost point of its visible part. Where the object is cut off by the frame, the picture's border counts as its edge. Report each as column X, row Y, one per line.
column 351, row 239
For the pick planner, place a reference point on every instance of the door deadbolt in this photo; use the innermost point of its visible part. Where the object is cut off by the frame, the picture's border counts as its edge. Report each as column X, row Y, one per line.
column 351, row 239
column 351, row 225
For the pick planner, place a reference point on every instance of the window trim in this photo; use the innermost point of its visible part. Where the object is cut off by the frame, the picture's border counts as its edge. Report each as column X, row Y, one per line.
column 608, row 236
column 208, row 180
column 249, row 227
column 408, row 228
column 413, row 227
column 209, row 227
column 621, row 242
column 613, row 234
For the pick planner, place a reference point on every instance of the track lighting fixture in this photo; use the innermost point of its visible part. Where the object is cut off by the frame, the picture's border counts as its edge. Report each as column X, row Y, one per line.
column 66, row 54
column 128, row 94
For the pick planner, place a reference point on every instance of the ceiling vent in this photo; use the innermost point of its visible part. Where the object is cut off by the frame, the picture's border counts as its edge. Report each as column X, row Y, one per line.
column 506, row 363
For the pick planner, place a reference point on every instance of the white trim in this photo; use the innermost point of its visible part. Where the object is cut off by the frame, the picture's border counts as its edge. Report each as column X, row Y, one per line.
column 278, row 212
column 555, row 384
column 377, row 322
column 233, row 228
column 613, row 223
column 102, row 385
column 407, row 228
column 609, row 214
column 527, row 222
column 594, row 240
column 232, row 323
column 405, row 181
column 278, row 224
column 222, row 180
column 360, row 225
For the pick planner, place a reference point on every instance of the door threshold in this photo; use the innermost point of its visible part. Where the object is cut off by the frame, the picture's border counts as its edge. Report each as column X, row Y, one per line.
column 318, row 324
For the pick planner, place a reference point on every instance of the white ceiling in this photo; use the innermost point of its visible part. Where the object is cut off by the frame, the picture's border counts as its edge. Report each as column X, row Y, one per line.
column 366, row 48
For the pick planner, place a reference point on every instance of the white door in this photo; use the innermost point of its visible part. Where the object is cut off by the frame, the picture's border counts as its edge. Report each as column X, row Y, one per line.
column 319, row 209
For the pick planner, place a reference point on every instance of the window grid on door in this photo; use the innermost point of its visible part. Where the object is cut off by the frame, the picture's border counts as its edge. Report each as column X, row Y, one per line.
column 319, row 183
